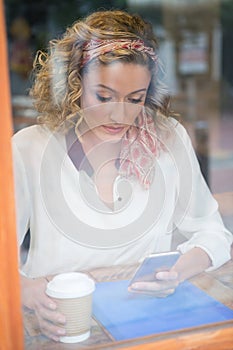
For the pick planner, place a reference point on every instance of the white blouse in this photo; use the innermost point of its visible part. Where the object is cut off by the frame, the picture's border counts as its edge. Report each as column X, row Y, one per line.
column 71, row 229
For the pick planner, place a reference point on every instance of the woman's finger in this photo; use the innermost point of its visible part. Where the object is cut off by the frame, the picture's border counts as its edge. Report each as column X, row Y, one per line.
column 155, row 293
column 166, row 275
column 52, row 316
column 155, row 286
column 165, row 293
column 49, row 329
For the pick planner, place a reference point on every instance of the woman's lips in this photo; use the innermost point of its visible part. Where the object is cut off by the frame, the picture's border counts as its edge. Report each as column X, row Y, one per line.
column 113, row 130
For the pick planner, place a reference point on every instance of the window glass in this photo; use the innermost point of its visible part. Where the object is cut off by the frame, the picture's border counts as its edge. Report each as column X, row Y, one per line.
column 195, row 49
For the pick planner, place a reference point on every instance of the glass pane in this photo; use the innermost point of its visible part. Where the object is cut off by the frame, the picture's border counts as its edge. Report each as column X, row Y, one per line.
column 195, row 50
column 196, row 54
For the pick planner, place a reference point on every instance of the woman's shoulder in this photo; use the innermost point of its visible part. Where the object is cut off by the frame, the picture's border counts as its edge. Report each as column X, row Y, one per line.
column 170, row 128
column 33, row 140
column 30, row 133
column 32, row 136
column 175, row 124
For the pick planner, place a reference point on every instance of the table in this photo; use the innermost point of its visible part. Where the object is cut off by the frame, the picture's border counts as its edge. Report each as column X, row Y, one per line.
column 219, row 336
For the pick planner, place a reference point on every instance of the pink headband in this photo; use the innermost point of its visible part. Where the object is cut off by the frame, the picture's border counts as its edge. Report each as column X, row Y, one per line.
column 95, row 48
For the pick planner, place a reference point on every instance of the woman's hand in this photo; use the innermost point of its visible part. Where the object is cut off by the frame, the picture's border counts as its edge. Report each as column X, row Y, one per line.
column 34, row 297
column 164, row 284
column 188, row 265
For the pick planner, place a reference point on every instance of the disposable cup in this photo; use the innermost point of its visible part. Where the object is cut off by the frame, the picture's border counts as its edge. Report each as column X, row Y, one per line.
column 72, row 293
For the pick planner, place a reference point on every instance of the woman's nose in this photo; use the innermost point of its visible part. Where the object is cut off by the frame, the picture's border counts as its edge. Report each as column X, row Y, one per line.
column 118, row 112
column 124, row 112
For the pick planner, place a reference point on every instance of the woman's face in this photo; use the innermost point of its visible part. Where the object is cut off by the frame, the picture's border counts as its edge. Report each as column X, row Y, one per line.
column 113, row 97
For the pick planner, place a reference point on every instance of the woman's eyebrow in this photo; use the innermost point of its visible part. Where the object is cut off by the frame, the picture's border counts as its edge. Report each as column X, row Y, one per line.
column 137, row 91
column 131, row 93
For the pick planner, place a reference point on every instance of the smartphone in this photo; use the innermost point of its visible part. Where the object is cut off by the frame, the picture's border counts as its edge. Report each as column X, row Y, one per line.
column 154, row 263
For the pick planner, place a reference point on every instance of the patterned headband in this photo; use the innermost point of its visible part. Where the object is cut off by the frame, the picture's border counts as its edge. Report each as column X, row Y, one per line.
column 95, row 48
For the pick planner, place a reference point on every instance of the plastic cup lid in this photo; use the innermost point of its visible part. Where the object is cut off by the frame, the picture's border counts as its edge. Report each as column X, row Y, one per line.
column 70, row 285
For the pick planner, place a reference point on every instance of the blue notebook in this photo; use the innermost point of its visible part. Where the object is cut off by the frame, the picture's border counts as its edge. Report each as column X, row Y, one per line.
column 126, row 315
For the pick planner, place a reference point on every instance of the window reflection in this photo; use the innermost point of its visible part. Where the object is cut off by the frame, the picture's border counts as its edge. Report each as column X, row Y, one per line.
column 195, row 37
column 195, row 48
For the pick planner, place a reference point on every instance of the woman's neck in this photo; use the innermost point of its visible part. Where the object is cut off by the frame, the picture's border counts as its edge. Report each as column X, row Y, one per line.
column 102, row 156
column 100, row 153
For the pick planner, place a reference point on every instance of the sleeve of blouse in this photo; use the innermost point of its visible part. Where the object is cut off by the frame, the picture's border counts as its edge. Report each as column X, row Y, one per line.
column 21, row 194
column 196, row 213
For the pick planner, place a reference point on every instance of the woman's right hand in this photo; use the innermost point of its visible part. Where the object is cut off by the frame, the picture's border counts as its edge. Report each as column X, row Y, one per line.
column 33, row 296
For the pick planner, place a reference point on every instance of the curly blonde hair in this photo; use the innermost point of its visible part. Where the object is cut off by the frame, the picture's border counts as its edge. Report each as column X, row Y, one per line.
column 58, row 73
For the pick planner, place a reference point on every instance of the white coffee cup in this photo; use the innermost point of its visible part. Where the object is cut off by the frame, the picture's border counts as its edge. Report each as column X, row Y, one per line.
column 72, row 293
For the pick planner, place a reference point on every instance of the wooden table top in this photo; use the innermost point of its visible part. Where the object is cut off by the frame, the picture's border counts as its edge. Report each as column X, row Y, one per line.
column 218, row 284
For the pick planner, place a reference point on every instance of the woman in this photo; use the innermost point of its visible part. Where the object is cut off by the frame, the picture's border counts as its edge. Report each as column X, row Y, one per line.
column 108, row 174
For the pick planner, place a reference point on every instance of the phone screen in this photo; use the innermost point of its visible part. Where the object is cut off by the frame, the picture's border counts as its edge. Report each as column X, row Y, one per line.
column 153, row 264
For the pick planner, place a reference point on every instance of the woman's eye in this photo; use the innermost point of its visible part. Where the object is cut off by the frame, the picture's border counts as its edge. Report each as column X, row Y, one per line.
column 103, row 98
column 135, row 100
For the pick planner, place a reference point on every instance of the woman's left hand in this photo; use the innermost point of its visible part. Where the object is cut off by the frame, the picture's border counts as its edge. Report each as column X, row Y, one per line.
column 188, row 265
column 165, row 283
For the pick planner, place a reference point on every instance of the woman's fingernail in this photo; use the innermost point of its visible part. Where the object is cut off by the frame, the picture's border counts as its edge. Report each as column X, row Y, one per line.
column 61, row 319
column 159, row 275
column 56, row 339
column 61, row 331
column 52, row 306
